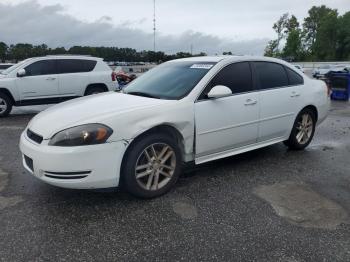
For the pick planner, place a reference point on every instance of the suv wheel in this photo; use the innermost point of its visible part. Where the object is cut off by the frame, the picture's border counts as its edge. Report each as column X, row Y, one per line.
column 303, row 130
column 94, row 90
column 5, row 105
column 152, row 166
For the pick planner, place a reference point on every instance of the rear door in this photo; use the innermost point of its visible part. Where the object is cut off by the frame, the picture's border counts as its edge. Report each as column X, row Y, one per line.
column 74, row 76
column 228, row 123
column 279, row 100
column 40, row 81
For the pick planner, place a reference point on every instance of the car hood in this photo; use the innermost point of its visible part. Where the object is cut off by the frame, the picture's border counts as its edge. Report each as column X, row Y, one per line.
column 91, row 109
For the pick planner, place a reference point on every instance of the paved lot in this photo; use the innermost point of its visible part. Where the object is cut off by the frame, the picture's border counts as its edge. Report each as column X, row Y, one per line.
column 268, row 205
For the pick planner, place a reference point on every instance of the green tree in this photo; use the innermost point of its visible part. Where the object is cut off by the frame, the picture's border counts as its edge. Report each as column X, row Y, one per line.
column 312, row 24
column 293, row 47
column 291, row 24
column 20, row 51
column 343, row 37
column 325, row 44
column 272, row 49
column 3, row 51
column 280, row 28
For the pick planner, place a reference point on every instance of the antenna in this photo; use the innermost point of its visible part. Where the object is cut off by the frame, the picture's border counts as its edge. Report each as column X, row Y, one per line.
column 154, row 25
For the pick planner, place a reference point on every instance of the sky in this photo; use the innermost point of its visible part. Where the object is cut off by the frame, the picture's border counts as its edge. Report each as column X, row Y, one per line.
column 243, row 27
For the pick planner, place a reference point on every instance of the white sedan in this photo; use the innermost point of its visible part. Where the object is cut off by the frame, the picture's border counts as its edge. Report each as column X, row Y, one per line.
column 197, row 109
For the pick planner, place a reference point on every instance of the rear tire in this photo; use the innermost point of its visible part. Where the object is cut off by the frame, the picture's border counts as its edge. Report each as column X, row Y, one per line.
column 152, row 166
column 303, row 130
column 5, row 105
column 94, row 90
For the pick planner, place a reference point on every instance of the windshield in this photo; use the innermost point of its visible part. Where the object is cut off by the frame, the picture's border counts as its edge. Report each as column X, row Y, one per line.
column 10, row 69
column 172, row 80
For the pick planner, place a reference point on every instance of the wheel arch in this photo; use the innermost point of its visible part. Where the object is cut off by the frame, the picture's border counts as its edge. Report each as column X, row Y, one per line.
column 313, row 108
column 99, row 85
column 8, row 93
column 165, row 128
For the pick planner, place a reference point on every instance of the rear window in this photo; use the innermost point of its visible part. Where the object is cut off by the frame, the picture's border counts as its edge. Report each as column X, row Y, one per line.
column 67, row 66
column 271, row 75
column 294, row 78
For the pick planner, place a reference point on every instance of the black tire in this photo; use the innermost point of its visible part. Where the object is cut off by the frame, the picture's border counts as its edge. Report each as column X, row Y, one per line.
column 5, row 105
column 293, row 142
column 135, row 154
column 94, row 90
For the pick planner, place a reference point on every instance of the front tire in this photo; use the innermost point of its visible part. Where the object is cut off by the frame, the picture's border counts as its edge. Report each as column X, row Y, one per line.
column 5, row 105
column 303, row 130
column 152, row 166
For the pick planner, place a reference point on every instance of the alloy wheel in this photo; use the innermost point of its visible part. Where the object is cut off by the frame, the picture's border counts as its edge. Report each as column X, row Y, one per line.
column 304, row 129
column 155, row 166
column 3, row 105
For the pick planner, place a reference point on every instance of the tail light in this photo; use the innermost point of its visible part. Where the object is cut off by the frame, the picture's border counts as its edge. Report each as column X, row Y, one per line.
column 114, row 76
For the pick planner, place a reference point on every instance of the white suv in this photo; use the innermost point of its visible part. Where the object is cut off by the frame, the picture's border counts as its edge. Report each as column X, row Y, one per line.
column 53, row 79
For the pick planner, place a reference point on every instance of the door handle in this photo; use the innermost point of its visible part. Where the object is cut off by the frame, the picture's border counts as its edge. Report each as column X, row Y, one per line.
column 250, row 102
column 294, row 94
column 51, row 78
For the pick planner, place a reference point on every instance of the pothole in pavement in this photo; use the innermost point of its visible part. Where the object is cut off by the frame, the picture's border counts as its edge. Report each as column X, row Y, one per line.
column 185, row 210
column 300, row 205
column 7, row 201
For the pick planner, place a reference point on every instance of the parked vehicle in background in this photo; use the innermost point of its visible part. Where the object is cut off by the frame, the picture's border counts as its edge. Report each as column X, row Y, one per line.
column 124, row 79
column 299, row 67
column 325, row 69
column 196, row 109
column 4, row 66
column 53, row 79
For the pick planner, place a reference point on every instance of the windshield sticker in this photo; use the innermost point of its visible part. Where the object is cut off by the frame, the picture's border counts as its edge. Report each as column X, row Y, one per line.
column 201, row 66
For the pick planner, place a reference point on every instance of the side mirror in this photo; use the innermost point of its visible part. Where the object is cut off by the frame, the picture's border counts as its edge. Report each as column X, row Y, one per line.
column 21, row 72
column 219, row 91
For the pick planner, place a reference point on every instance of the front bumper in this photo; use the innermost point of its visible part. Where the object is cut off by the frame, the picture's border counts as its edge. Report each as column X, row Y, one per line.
column 84, row 167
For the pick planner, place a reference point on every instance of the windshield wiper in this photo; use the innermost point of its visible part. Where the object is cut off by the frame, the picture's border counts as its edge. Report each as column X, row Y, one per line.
column 142, row 94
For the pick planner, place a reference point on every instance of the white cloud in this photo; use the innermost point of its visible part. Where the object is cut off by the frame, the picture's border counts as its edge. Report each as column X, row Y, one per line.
column 33, row 23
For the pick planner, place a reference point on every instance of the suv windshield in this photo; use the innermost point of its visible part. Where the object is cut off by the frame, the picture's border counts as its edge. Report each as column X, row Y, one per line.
column 173, row 80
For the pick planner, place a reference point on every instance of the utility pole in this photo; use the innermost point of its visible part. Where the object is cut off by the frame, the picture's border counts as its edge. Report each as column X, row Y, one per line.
column 154, row 26
column 191, row 49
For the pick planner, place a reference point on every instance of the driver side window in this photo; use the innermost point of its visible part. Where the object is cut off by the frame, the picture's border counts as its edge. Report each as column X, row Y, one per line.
column 44, row 67
column 237, row 77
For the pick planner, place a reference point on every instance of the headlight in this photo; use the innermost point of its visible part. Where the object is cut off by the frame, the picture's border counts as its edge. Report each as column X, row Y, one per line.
column 84, row 135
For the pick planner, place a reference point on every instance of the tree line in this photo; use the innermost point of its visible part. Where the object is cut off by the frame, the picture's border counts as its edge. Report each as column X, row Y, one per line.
column 22, row 51
column 324, row 35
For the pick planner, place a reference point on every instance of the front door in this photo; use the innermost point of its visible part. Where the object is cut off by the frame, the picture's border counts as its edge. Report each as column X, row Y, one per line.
column 40, row 81
column 228, row 123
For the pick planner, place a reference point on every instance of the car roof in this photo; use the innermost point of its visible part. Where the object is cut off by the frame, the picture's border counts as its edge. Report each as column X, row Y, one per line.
column 216, row 59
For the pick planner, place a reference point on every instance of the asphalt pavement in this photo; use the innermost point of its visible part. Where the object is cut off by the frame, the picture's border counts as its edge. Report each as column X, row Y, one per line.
column 270, row 204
